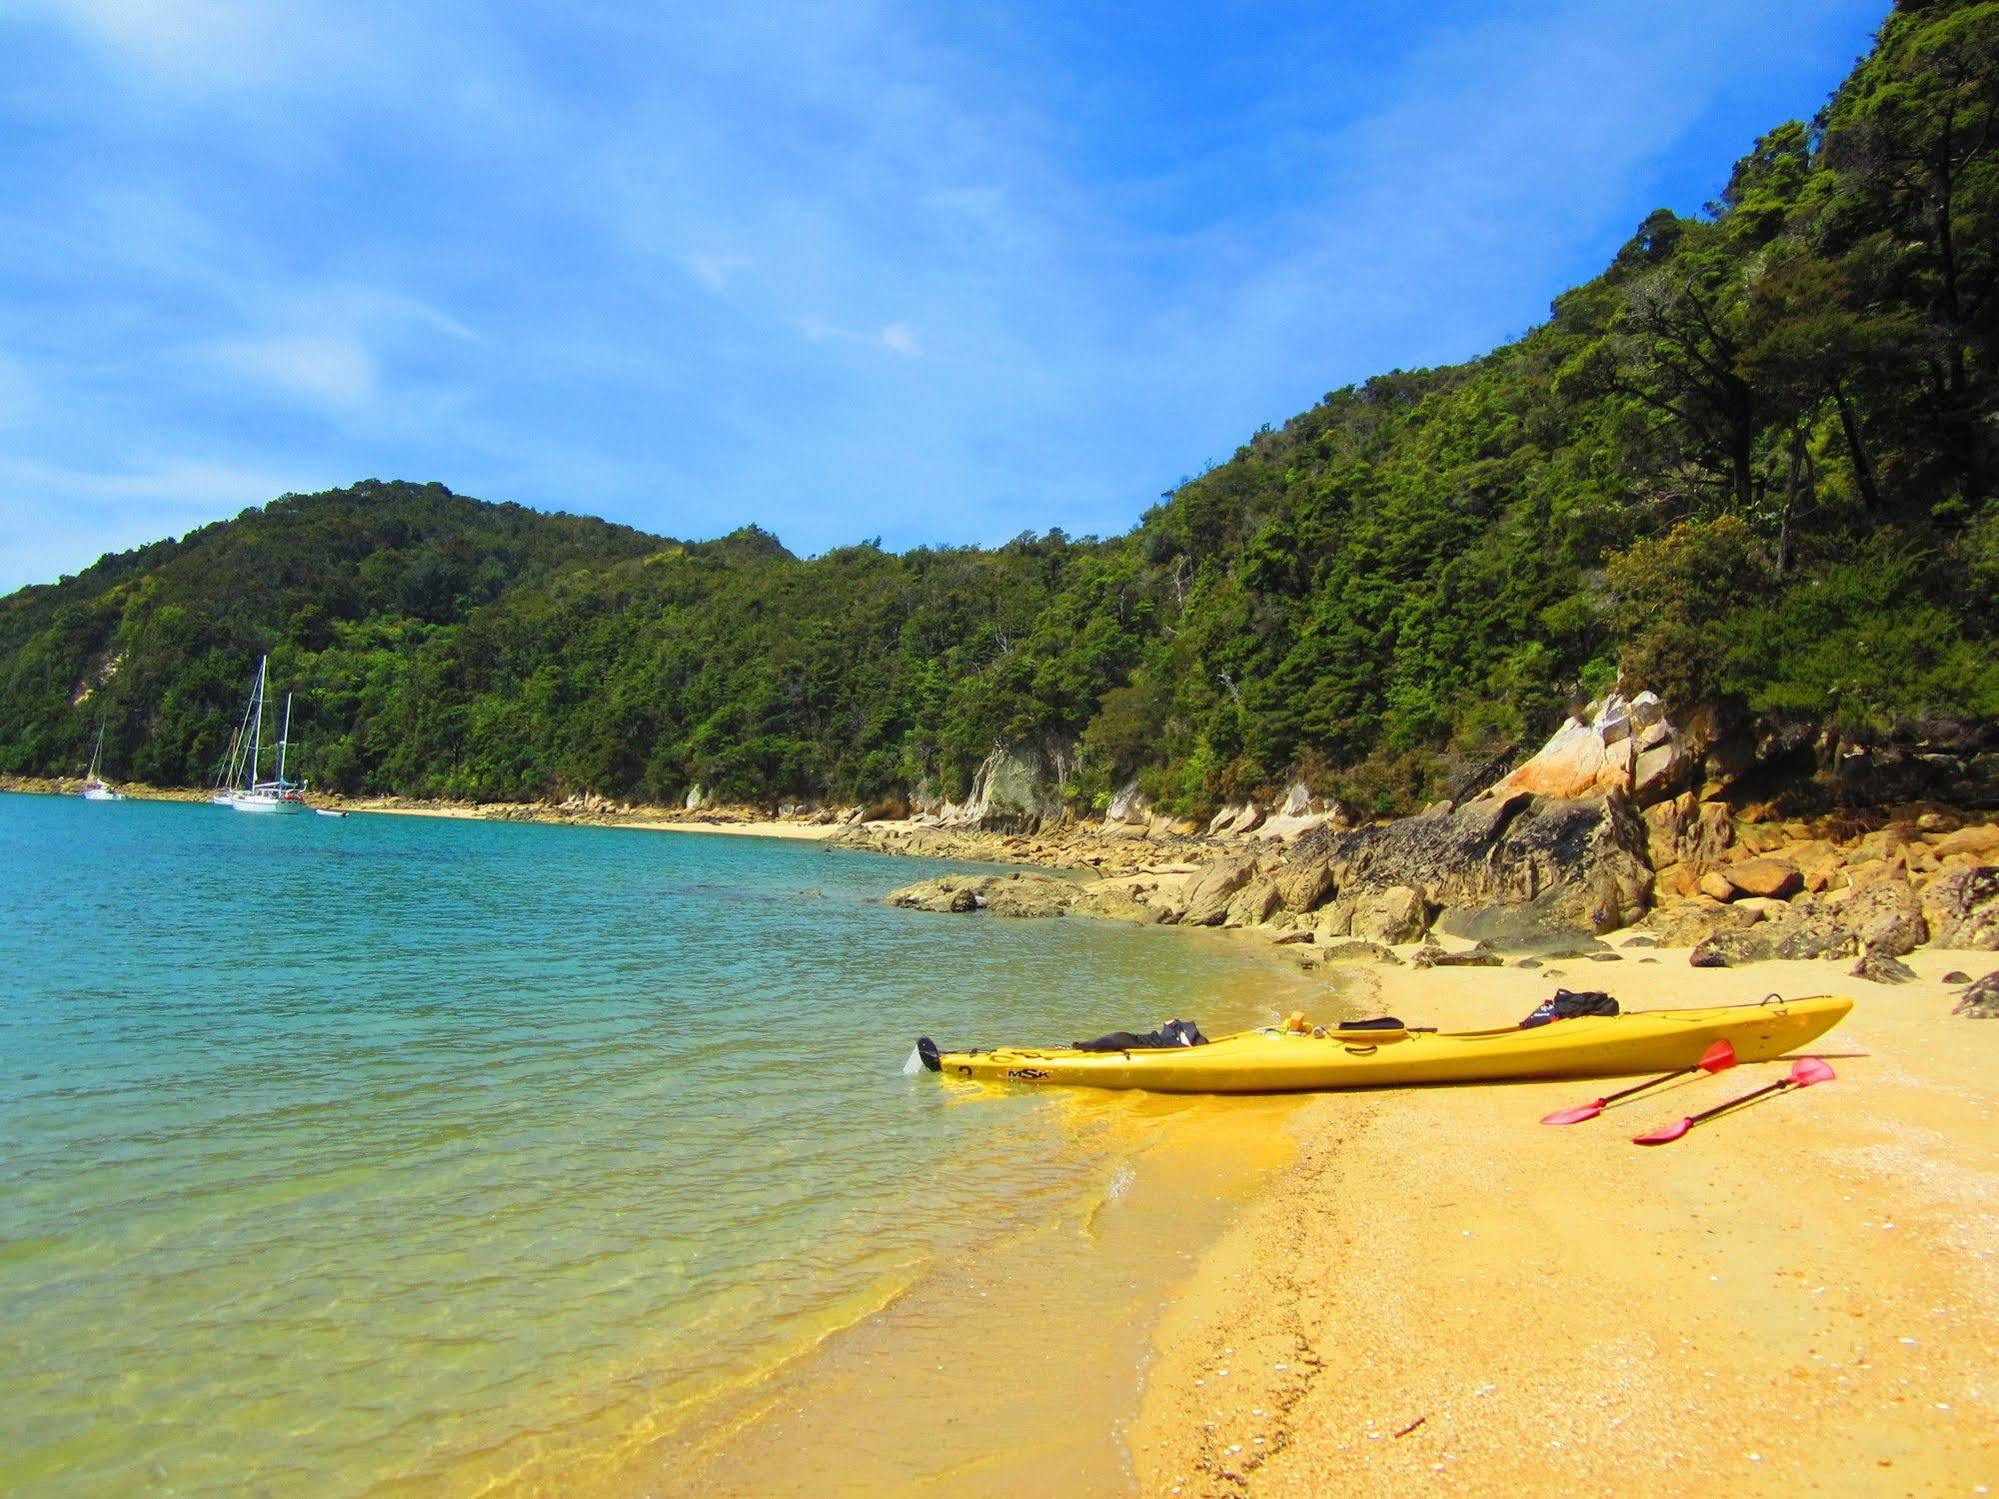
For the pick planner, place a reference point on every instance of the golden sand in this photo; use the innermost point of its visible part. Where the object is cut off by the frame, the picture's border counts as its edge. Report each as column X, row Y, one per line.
column 1441, row 1295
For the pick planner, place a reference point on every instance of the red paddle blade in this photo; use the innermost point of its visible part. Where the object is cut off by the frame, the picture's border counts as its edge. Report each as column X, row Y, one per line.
column 1717, row 1058
column 1808, row 1070
column 1575, row 1115
column 1665, row 1134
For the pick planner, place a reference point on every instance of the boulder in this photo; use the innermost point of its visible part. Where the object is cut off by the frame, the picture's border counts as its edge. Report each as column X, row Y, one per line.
column 1715, row 952
column 1962, row 908
column 1664, row 823
column 1981, row 840
column 1772, row 879
column 1691, row 924
column 1545, row 865
column 1254, row 904
column 1472, row 957
column 1882, row 967
column 1306, row 885
column 1357, row 952
column 1210, row 893
column 1396, row 913
column 1981, row 1000
column 1617, row 747
column 1570, row 764
column 1818, row 862
column 1335, row 919
column 1887, row 914
column 1717, row 886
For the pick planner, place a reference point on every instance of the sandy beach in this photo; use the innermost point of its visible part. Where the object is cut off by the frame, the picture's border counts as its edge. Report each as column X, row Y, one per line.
column 772, row 827
column 1439, row 1294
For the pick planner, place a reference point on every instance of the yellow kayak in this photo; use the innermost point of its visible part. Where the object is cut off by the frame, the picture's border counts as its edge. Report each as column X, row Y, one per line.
column 1286, row 1061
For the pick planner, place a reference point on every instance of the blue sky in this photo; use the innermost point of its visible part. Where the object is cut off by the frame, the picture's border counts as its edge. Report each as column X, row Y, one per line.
column 940, row 273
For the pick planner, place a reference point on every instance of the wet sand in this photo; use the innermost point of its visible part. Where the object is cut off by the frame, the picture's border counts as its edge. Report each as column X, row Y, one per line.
column 1441, row 1295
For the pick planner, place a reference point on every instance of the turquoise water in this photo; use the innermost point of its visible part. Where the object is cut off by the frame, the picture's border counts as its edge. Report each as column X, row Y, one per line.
column 400, row 1154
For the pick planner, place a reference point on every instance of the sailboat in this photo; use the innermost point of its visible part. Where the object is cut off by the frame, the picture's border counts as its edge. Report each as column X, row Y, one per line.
column 95, row 790
column 244, row 792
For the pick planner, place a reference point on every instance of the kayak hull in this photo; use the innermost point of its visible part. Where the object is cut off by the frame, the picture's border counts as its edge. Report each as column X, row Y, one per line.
column 1274, row 1061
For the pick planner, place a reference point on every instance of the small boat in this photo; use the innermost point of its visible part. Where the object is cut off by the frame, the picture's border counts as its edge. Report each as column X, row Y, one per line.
column 240, row 789
column 1273, row 1060
column 94, row 789
column 328, row 812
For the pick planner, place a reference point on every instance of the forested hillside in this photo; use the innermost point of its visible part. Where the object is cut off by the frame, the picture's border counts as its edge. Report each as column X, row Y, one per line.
column 1753, row 462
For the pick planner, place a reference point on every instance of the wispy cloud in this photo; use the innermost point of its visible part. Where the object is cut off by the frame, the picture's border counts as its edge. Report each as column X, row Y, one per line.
column 336, row 370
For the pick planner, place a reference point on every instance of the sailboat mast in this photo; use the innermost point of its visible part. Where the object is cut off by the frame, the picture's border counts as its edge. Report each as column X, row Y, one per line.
column 284, row 741
column 94, row 754
column 226, row 776
column 257, row 736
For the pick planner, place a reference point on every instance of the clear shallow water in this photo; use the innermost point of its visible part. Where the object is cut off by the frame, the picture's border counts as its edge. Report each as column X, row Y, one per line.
column 357, row 1156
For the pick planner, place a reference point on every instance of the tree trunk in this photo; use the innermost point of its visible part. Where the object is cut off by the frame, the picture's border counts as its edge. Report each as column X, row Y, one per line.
column 1863, row 470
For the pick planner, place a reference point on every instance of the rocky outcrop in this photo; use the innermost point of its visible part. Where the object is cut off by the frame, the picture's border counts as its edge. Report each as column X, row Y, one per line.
column 1962, row 908
column 1015, row 790
column 1482, row 956
column 1513, row 870
column 1357, row 952
column 1690, row 923
column 1617, row 747
column 1980, row 1001
column 1255, row 904
column 1019, row 894
column 1238, row 817
column 1210, row 893
column 1885, row 919
column 1395, row 914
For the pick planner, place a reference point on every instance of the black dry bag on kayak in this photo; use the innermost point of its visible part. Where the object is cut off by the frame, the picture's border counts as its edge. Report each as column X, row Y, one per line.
column 1173, row 1033
column 1566, row 1006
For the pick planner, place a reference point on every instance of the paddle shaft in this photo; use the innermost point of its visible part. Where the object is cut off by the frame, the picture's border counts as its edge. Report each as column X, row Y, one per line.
column 1650, row 1082
column 1735, row 1103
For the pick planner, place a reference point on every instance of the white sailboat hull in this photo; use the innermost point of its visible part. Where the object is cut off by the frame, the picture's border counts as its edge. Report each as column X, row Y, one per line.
column 102, row 794
column 250, row 801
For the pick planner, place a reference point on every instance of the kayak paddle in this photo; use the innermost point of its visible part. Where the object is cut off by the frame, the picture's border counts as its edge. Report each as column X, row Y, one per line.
column 1717, row 1058
column 1804, row 1072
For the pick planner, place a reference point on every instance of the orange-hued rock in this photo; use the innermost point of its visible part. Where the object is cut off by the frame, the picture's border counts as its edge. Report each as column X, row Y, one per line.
column 1770, row 878
column 1818, row 860
column 1716, row 884
column 1621, row 746
column 1981, row 840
